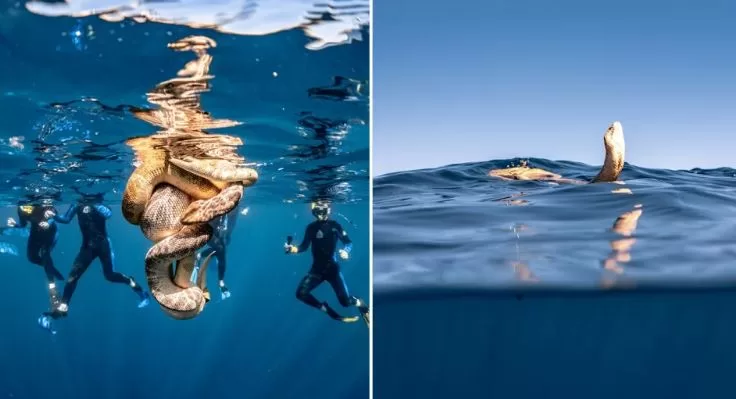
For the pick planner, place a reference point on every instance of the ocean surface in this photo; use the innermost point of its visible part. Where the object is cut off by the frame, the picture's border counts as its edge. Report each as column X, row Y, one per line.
column 523, row 289
column 457, row 227
column 290, row 78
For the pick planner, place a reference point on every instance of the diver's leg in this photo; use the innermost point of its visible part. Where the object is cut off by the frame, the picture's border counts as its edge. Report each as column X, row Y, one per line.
column 45, row 319
column 41, row 251
column 107, row 258
column 337, row 281
column 304, row 293
column 51, row 276
column 204, row 253
column 42, row 256
column 220, row 255
column 48, row 262
column 305, row 288
column 221, row 266
column 37, row 250
column 49, row 265
column 81, row 264
column 33, row 251
column 201, row 255
column 53, row 290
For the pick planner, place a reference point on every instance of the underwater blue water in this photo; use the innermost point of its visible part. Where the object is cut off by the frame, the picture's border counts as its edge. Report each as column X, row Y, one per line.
column 521, row 343
column 527, row 289
column 66, row 84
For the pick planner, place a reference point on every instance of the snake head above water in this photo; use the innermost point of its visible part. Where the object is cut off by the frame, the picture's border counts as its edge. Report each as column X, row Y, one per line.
column 615, row 147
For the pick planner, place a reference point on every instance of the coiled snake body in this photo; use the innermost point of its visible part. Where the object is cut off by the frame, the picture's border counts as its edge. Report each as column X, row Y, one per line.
column 175, row 242
column 178, row 225
column 185, row 177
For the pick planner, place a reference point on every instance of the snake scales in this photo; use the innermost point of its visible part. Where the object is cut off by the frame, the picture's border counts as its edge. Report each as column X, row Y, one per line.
column 174, row 243
column 185, row 177
column 159, row 197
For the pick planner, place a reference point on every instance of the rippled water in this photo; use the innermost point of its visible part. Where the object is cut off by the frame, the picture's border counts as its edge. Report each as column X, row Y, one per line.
column 303, row 113
column 457, row 227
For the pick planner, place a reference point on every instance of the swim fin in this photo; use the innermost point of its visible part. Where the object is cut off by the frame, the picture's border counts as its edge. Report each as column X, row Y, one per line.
column 365, row 313
column 336, row 316
column 145, row 300
column 45, row 322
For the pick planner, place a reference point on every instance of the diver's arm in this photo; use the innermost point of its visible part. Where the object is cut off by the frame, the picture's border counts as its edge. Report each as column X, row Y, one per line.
column 103, row 210
column 68, row 215
column 343, row 235
column 22, row 219
column 344, row 238
column 307, row 240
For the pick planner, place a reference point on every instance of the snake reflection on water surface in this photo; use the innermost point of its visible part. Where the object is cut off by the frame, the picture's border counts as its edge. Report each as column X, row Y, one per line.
column 613, row 276
column 184, row 178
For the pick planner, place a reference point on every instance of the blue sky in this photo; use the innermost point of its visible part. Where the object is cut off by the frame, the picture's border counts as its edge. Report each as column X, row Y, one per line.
column 465, row 81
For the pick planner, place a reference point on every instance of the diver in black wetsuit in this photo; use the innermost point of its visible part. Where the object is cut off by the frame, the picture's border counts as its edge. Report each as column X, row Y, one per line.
column 222, row 227
column 41, row 241
column 92, row 216
column 323, row 234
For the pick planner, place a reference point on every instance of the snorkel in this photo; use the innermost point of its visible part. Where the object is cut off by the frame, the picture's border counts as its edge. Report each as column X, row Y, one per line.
column 321, row 210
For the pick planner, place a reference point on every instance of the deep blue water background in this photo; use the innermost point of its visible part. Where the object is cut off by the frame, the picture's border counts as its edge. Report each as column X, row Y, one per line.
column 261, row 342
column 489, row 288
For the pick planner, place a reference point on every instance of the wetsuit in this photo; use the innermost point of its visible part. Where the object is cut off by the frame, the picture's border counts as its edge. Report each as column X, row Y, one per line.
column 323, row 235
column 95, row 244
column 41, row 241
column 222, row 229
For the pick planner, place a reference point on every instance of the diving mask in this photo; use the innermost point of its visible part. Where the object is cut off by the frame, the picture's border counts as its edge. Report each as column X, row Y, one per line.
column 321, row 210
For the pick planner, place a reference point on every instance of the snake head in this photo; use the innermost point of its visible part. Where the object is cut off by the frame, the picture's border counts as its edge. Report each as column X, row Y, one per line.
column 219, row 170
column 614, row 136
column 203, row 211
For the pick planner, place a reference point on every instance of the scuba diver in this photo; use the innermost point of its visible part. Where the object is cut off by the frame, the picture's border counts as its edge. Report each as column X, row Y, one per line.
column 41, row 240
column 92, row 216
column 222, row 227
column 322, row 235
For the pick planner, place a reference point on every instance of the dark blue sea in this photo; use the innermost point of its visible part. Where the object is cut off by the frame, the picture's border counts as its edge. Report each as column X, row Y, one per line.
column 295, row 76
column 529, row 289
